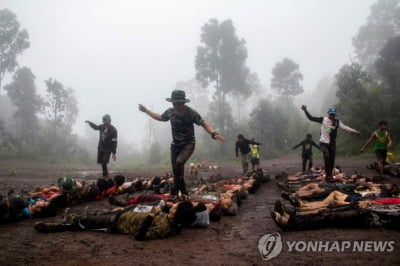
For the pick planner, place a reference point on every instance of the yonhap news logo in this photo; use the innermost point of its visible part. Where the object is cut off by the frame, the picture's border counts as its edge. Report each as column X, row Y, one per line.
column 271, row 245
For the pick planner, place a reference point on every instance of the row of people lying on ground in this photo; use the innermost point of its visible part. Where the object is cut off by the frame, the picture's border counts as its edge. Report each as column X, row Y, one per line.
column 71, row 191
column 388, row 169
column 82, row 191
column 324, row 204
column 155, row 216
column 318, row 175
column 359, row 185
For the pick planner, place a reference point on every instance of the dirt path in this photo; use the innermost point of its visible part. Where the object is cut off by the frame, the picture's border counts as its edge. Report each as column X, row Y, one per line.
column 232, row 241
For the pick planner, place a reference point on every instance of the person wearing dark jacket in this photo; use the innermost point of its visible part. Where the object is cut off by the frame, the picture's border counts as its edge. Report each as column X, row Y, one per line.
column 306, row 153
column 108, row 137
column 243, row 145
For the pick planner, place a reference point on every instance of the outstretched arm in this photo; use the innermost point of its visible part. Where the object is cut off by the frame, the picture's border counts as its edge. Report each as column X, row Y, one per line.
column 298, row 145
column 348, row 129
column 368, row 142
column 92, row 125
column 316, row 146
column 153, row 115
column 210, row 130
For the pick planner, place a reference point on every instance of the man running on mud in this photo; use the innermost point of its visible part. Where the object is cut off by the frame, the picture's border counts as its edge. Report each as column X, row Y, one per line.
column 182, row 118
column 329, row 126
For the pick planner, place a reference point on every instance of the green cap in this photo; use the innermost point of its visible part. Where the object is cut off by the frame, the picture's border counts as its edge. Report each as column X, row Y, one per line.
column 106, row 118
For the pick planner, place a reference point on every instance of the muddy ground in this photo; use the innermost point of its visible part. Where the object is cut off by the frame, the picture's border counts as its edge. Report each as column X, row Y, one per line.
column 232, row 241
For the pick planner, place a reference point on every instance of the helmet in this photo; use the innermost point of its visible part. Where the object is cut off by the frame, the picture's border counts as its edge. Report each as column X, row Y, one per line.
column 66, row 184
column 332, row 110
column 106, row 118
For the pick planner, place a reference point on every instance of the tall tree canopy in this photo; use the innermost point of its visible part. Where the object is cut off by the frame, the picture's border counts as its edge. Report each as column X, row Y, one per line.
column 286, row 78
column 13, row 42
column 388, row 63
column 382, row 24
column 388, row 66
column 22, row 92
column 61, row 107
column 221, row 60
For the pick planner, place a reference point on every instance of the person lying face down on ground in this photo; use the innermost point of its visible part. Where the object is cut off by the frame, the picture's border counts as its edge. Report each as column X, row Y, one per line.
column 14, row 208
column 346, row 216
column 144, row 226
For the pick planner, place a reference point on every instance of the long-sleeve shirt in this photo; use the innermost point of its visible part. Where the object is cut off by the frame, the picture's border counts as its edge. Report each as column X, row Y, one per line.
column 244, row 146
column 329, row 127
column 108, row 137
column 307, row 146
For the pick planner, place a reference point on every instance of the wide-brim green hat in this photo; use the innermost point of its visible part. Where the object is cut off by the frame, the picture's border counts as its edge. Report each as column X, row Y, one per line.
column 178, row 96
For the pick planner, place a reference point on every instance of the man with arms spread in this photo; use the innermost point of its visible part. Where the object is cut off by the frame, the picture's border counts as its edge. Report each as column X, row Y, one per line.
column 306, row 153
column 329, row 126
column 182, row 119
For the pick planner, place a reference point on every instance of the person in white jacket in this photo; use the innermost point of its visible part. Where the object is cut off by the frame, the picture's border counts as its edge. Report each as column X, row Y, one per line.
column 329, row 126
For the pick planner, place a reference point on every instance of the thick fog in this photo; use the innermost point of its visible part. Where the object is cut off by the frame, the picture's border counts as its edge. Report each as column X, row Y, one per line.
column 117, row 54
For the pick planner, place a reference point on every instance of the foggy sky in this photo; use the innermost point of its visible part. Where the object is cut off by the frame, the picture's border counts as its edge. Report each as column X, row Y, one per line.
column 116, row 54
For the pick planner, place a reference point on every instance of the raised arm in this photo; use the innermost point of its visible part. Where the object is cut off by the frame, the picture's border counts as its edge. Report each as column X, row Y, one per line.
column 310, row 117
column 210, row 130
column 153, row 115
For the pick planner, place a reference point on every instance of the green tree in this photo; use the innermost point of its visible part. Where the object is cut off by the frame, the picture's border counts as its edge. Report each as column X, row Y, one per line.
column 221, row 60
column 13, row 42
column 382, row 24
column 198, row 96
column 71, row 109
column 286, row 78
column 388, row 63
column 61, row 107
column 155, row 154
column 22, row 92
column 268, row 124
column 388, row 66
column 354, row 105
column 254, row 81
